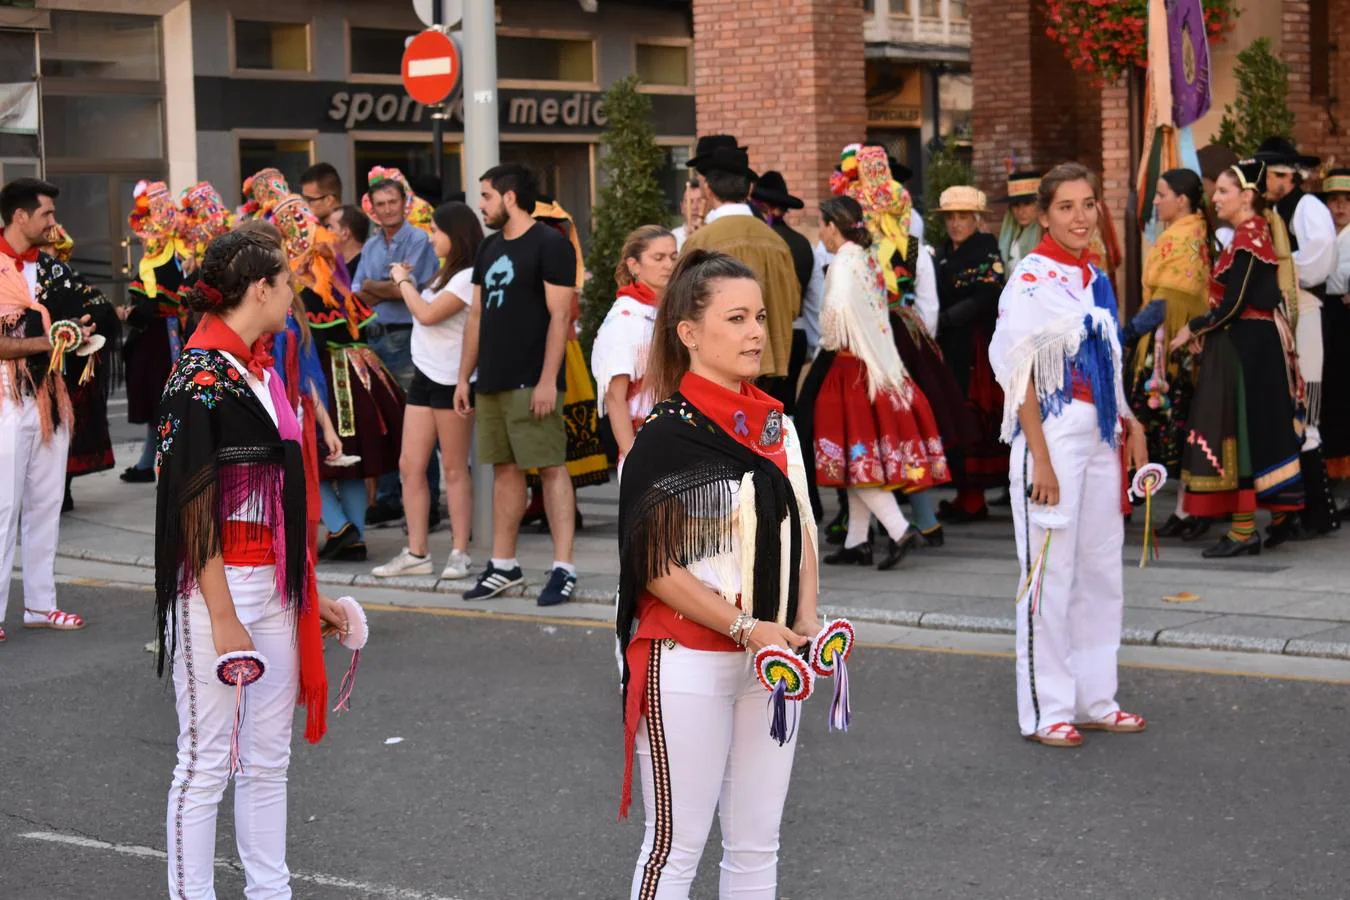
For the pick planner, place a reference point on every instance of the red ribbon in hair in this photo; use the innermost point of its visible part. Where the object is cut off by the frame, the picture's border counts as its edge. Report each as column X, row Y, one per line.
column 208, row 292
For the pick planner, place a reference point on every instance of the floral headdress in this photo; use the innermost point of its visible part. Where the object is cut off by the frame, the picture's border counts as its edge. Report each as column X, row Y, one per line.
column 415, row 208
column 865, row 175
column 61, row 243
column 205, row 217
column 312, row 252
column 264, row 189
column 157, row 221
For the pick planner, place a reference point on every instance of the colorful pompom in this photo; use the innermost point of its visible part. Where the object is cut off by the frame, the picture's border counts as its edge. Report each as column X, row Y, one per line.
column 832, row 647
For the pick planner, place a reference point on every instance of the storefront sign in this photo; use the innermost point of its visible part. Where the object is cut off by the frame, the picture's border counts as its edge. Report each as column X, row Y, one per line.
column 895, row 116
column 224, row 104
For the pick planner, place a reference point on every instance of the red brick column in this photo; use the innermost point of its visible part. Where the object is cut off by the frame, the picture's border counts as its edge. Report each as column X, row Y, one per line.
column 1320, row 123
column 1295, row 23
column 1115, row 153
column 786, row 78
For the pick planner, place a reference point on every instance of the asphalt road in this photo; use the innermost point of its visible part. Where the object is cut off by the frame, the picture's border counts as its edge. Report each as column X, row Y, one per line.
column 506, row 781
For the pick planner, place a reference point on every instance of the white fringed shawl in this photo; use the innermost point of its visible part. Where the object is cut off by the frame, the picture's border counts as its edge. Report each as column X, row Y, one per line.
column 854, row 318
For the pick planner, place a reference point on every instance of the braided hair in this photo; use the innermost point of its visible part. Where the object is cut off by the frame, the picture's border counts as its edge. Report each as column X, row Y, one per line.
column 846, row 214
column 232, row 262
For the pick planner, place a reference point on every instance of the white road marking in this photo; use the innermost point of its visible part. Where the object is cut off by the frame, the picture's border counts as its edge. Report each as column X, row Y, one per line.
column 331, row 881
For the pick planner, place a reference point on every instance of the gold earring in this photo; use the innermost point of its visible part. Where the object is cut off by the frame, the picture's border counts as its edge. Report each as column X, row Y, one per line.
column 693, row 346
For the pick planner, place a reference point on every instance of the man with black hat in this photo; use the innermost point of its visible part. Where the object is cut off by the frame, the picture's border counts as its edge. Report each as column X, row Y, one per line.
column 732, row 228
column 771, row 200
column 692, row 204
column 1312, row 238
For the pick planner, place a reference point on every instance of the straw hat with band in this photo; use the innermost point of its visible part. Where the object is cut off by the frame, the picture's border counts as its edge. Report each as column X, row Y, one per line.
column 962, row 198
column 1023, row 187
column 1337, row 181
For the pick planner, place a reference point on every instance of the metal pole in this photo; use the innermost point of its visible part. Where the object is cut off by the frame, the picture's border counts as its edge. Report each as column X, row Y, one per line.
column 481, row 152
column 437, row 119
column 1134, row 247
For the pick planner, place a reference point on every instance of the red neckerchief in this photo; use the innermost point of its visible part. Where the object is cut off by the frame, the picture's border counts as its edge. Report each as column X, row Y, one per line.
column 751, row 417
column 30, row 255
column 1053, row 249
column 641, row 293
column 213, row 334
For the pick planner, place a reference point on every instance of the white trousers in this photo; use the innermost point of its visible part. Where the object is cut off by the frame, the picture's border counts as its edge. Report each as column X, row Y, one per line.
column 704, row 746
column 1066, row 654
column 205, row 722
column 32, row 486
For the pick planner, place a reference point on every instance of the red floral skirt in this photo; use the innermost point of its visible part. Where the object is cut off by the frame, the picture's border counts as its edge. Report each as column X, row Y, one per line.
column 884, row 444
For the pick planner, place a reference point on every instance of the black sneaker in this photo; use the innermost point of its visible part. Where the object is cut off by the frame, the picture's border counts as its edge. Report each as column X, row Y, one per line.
column 338, row 541
column 383, row 515
column 493, row 581
column 559, row 589
column 133, row 475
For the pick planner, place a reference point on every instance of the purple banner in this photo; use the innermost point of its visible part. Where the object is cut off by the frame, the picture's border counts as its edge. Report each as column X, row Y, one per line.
column 1188, row 47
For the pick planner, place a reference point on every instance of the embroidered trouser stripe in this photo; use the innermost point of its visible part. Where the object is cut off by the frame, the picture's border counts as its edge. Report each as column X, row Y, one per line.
column 185, row 649
column 656, row 735
column 1031, row 620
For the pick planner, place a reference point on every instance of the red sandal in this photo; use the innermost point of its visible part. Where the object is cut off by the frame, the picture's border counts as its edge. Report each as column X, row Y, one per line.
column 1061, row 734
column 1118, row 722
column 54, row 619
column 2, row 635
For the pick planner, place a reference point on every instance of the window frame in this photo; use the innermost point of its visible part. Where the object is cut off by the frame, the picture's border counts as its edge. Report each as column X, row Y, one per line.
column 359, row 136
column 231, row 48
column 237, row 135
column 687, row 43
column 353, row 76
column 544, row 84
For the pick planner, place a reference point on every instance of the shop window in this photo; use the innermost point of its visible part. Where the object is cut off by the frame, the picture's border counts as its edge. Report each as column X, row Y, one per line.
column 930, row 9
column 899, row 8
column 545, row 59
column 413, row 159
column 673, row 176
column 101, row 45
column 271, row 46
column 377, row 51
column 99, row 125
column 291, row 155
column 957, row 9
column 663, row 65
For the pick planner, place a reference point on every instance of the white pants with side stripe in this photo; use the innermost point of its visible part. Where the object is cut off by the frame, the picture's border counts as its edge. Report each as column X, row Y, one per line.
column 1066, row 654
column 205, row 722
column 32, row 486
column 704, row 747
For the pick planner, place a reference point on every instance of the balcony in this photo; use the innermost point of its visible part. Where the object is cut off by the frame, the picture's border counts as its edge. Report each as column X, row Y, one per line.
column 917, row 30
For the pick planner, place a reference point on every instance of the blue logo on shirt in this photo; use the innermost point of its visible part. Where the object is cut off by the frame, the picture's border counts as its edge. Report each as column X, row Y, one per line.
column 500, row 274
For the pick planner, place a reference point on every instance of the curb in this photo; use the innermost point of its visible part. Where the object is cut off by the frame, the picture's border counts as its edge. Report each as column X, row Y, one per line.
column 935, row 621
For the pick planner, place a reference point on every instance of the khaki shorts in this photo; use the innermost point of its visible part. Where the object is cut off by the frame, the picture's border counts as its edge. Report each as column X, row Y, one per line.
column 509, row 433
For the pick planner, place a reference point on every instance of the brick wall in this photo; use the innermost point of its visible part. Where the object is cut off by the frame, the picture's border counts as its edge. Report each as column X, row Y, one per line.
column 1322, row 123
column 786, row 77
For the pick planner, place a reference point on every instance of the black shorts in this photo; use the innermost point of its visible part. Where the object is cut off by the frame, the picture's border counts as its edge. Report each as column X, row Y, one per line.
column 425, row 392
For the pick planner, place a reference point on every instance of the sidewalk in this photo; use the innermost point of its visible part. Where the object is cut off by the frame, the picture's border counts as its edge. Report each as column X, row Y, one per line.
column 1295, row 600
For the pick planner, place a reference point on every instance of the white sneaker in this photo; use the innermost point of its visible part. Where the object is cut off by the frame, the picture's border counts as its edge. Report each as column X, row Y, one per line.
column 404, row 564
column 457, row 566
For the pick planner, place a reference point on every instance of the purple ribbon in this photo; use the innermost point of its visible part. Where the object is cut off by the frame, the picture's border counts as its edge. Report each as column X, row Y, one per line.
column 741, row 428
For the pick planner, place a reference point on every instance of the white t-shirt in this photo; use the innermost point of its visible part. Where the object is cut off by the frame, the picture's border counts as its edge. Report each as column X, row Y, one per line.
column 436, row 349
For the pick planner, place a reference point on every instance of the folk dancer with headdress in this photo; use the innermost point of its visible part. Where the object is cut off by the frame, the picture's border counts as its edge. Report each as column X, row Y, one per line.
column 69, row 295
column 1020, row 232
column 1245, row 430
column 970, row 277
column 1312, row 238
column 155, row 318
column 874, row 432
column 205, row 217
column 365, row 403
column 1335, row 428
column 234, row 572
column 35, row 408
column 1056, row 353
column 717, row 556
column 1176, row 290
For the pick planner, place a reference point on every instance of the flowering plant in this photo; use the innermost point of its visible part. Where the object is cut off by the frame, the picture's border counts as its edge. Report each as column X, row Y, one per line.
column 1104, row 37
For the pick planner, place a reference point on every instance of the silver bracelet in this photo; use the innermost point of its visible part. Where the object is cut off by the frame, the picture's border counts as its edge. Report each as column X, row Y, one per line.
column 740, row 629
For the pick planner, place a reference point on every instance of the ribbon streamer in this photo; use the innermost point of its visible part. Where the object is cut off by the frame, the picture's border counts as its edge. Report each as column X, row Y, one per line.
column 1148, row 481
column 1036, row 576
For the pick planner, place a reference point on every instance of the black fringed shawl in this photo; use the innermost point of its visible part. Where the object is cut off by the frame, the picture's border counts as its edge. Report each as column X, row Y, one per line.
column 217, row 448
column 678, row 502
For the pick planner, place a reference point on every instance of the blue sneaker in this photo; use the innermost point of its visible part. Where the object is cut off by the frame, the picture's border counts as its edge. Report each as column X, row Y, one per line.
column 493, row 581
column 559, row 589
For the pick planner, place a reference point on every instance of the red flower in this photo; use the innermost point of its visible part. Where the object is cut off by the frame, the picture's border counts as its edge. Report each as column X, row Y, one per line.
column 233, row 373
column 205, row 379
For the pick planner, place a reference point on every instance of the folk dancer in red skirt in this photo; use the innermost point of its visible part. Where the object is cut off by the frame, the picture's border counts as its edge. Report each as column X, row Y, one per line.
column 874, row 430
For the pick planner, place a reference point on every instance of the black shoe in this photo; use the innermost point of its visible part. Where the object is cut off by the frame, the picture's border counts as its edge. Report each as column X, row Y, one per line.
column 934, row 538
column 67, row 502
column 353, row 552
column 493, row 581
column 383, row 515
column 838, row 527
column 1288, row 530
column 896, row 550
column 1175, row 526
column 1195, row 527
column 338, row 540
column 559, row 589
column 860, row 555
column 1227, row 548
column 133, row 475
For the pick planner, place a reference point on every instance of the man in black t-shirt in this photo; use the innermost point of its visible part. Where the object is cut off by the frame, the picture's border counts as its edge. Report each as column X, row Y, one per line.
column 524, row 280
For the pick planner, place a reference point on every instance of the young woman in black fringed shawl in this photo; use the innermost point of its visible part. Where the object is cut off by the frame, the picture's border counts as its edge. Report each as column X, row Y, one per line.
column 233, row 568
column 717, row 556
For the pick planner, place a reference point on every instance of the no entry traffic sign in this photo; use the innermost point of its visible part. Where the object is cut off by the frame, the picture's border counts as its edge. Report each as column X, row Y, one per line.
column 431, row 67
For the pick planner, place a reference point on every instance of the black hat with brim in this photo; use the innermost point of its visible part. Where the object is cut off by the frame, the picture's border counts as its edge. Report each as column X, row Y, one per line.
column 728, row 159
column 707, row 144
column 771, row 188
column 1280, row 151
